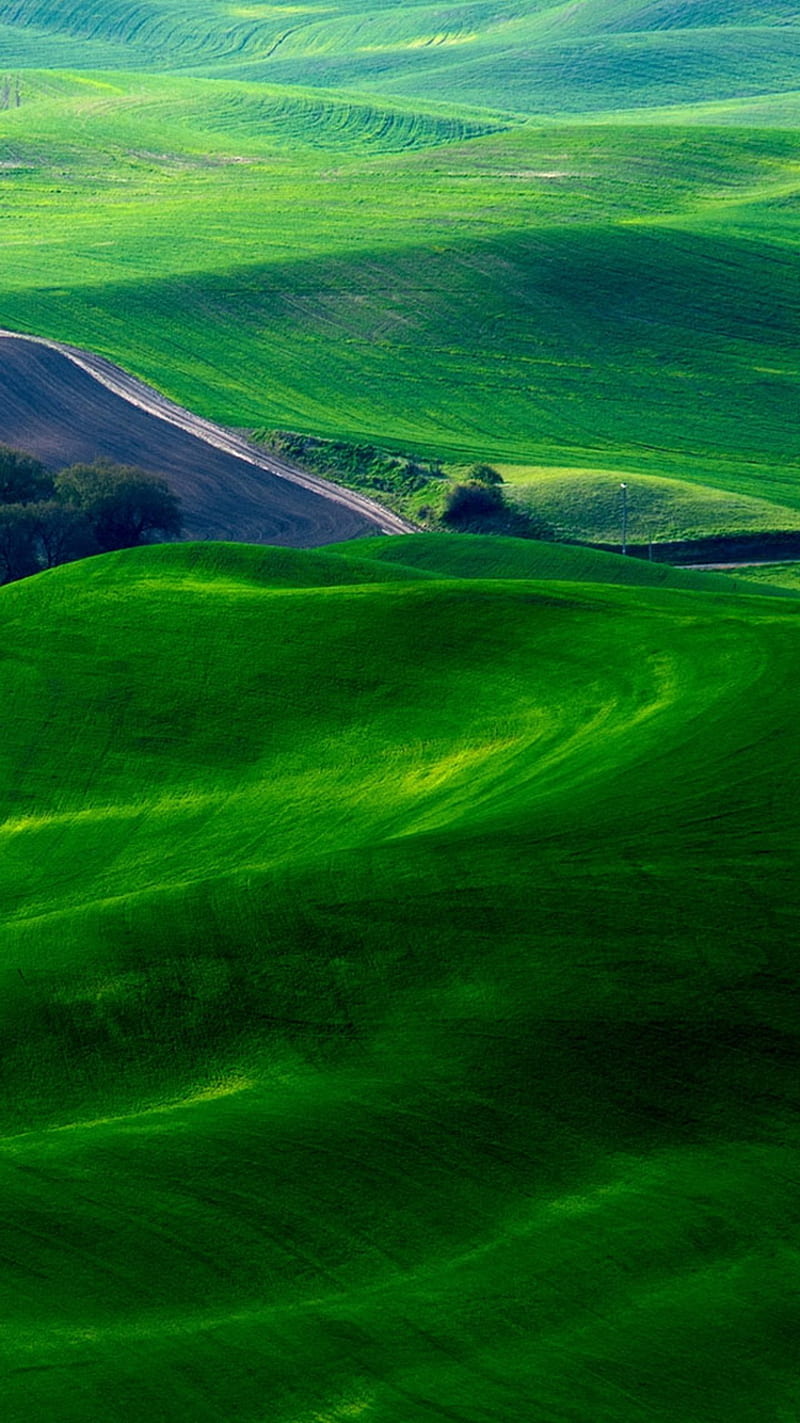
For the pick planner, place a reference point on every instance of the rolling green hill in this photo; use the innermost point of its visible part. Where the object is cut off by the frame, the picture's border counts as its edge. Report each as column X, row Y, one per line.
column 434, row 278
column 533, row 57
column 550, row 236
column 396, row 998
column 399, row 1015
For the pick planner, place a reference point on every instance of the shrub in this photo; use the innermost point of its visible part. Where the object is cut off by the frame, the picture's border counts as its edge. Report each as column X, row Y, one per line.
column 484, row 474
column 470, row 505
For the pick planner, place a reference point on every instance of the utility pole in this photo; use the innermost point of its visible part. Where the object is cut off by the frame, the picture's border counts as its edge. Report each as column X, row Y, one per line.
column 624, row 492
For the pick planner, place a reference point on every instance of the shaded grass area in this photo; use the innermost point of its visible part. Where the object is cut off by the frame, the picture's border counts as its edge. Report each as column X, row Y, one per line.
column 397, row 977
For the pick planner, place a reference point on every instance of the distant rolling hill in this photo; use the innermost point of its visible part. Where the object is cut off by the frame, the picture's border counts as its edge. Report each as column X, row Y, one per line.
column 486, row 556
column 526, row 57
column 418, row 274
column 397, row 1009
column 66, row 407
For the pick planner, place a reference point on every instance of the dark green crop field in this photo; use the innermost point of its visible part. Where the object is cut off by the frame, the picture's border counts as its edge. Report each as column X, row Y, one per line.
column 396, row 1005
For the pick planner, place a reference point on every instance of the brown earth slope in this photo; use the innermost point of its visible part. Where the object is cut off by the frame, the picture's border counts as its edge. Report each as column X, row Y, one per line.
column 67, row 406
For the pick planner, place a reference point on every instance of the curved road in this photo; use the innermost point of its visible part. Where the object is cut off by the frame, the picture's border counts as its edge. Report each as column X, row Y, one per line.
column 66, row 406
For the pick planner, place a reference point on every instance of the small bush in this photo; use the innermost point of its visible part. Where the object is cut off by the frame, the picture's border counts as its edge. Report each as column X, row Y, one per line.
column 471, row 505
column 484, row 474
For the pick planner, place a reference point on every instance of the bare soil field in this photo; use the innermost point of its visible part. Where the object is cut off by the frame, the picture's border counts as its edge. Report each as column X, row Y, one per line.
column 67, row 406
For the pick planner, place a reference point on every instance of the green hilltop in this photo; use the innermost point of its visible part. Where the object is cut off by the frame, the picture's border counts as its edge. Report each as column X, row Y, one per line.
column 395, row 988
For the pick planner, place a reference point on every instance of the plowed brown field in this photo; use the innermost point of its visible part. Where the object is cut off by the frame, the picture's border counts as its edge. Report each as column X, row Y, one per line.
column 67, row 406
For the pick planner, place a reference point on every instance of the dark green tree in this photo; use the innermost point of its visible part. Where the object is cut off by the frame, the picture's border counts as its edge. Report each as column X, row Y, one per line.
column 472, row 505
column 123, row 505
column 63, row 535
column 19, row 548
column 23, row 479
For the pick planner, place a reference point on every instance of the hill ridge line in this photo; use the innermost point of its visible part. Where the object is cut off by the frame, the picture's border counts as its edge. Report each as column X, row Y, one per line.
column 136, row 392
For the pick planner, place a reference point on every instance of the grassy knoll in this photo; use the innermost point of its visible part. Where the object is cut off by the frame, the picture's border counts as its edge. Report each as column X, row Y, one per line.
column 396, row 990
column 586, row 504
column 489, row 556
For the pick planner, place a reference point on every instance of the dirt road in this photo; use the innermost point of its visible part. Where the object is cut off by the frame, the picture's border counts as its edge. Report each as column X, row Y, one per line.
column 65, row 405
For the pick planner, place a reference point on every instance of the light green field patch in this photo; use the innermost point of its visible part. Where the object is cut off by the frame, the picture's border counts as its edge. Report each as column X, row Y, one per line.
column 781, row 575
column 587, row 504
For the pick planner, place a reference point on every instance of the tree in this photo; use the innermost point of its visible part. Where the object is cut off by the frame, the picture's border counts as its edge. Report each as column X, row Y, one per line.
column 123, row 505
column 23, row 479
column 19, row 530
column 63, row 534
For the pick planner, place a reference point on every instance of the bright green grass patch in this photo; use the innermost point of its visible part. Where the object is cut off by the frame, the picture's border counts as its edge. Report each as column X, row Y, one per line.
column 417, row 273
column 587, row 504
column 396, row 990
column 541, row 59
column 781, row 575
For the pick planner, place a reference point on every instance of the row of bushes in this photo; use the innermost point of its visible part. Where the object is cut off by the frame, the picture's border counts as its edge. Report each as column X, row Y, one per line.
column 47, row 519
column 393, row 478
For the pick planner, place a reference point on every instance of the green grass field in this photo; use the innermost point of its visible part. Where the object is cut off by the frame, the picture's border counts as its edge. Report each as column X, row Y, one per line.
column 487, row 556
column 398, row 941
column 395, row 992
column 781, row 575
column 423, row 227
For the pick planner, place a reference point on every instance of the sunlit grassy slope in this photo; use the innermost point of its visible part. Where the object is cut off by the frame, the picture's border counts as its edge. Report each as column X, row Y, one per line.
column 603, row 54
column 586, row 504
column 374, row 222
column 422, row 274
column 396, row 991
column 782, row 575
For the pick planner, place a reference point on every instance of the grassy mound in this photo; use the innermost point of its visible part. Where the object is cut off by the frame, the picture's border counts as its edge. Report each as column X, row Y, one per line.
column 585, row 504
column 489, row 556
column 396, row 991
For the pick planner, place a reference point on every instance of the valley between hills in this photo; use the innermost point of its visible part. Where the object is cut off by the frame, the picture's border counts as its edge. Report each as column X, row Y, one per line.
column 398, row 916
